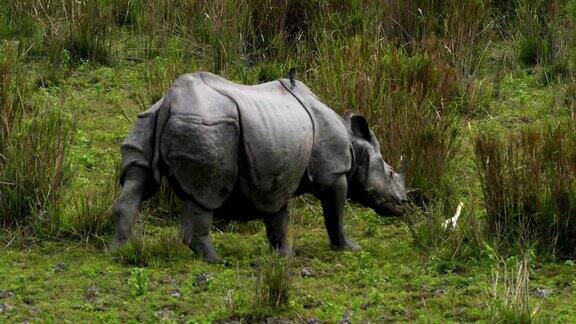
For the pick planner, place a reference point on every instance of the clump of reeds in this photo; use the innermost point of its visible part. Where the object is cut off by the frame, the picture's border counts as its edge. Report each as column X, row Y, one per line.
column 529, row 184
column 34, row 141
column 273, row 281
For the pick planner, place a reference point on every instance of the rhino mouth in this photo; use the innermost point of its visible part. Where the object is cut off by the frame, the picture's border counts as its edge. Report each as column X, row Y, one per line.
column 382, row 206
column 389, row 209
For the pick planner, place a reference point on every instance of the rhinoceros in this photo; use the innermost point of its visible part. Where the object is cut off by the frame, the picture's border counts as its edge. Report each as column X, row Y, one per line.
column 241, row 152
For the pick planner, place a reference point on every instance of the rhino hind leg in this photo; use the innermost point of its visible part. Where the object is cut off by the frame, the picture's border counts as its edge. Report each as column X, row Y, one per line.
column 276, row 230
column 333, row 200
column 125, row 209
column 196, row 223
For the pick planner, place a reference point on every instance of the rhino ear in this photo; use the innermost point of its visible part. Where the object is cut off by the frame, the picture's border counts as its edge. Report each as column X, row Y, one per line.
column 359, row 127
column 347, row 116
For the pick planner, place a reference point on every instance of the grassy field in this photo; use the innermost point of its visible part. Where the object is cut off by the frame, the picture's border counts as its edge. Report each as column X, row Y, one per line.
column 436, row 79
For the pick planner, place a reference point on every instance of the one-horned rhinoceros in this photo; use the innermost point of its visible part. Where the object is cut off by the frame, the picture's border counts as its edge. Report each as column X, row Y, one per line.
column 240, row 152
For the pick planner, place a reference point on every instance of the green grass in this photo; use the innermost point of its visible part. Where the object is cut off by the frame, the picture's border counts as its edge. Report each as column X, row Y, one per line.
column 426, row 78
column 388, row 280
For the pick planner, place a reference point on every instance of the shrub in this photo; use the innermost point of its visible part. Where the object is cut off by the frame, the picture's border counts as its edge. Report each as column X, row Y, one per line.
column 34, row 142
column 31, row 183
column 138, row 281
column 529, row 184
column 510, row 289
column 91, row 216
column 78, row 30
column 273, row 282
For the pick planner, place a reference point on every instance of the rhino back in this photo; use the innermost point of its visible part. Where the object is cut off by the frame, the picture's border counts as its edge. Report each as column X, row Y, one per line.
column 276, row 141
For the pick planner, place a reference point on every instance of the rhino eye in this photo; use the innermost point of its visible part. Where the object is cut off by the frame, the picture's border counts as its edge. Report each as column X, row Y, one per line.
column 391, row 174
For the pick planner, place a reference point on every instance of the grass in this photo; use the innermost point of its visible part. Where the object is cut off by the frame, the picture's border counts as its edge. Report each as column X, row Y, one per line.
column 389, row 280
column 511, row 291
column 429, row 76
column 30, row 183
column 91, row 217
column 273, row 282
column 528, row 186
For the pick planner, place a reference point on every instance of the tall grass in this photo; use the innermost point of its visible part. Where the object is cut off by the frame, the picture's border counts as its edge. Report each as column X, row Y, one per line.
column 64, row 31
column 529, row 184
column 12, row 95
column 164, row 205
column 35, row 169
column 13, row 23
column 148, row 249
column 273, row 282
column 82, row 34
column 510, row 289
column 35, row 138
column 447, row 244
column 537, row 35
column 91, row 217
column 127, row 12
column 545, row 38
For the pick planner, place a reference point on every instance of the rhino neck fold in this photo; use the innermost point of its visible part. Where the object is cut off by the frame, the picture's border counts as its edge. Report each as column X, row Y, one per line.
column 358, row 157
column 289, row 89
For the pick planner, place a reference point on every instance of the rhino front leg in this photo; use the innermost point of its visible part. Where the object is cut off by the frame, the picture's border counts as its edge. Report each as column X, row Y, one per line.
column 125, row 209
column 196, row 223
column 333, row 200
column 276, row 231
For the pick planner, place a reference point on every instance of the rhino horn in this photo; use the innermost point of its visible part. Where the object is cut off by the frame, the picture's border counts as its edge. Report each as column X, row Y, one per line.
column 403, row 166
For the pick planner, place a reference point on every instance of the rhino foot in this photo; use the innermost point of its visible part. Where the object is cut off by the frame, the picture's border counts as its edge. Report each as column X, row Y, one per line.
column 286, row 252
column 208, row 253
column 117, row 245
column 203, row 246
column 212, row 259
column 348, row 244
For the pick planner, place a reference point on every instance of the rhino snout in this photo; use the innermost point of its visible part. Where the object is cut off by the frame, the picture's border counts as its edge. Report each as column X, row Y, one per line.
column 401, row 200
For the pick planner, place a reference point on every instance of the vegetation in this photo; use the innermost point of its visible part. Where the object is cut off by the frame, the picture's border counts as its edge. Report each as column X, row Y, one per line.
column 273, row 282
column 529, row 187
column 30, row 182
column 479, row 94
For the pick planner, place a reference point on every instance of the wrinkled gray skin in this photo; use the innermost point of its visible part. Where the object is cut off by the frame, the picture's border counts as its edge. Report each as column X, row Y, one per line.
column 240, row 152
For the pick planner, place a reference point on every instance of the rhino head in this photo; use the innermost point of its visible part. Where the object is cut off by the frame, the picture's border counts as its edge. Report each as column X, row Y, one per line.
column 373, row 183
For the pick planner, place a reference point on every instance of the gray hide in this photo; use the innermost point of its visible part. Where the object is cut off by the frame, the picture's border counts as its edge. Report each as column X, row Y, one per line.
column 208, row 133
column 138, row 147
